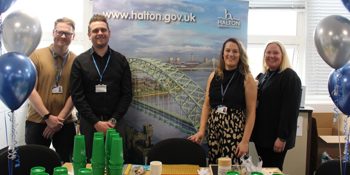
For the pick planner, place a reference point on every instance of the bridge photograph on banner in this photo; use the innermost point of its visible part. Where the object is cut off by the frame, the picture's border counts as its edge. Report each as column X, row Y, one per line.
column 172, row 47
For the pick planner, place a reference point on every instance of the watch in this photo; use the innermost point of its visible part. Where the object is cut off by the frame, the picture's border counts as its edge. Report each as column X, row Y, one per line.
column 46, row 116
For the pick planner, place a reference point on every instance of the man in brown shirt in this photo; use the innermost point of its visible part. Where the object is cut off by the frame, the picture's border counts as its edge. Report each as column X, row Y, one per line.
column 50, row 118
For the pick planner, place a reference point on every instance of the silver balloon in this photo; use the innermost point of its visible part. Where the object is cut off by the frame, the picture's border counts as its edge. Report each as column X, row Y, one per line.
column 332, row 40
column 21, row 33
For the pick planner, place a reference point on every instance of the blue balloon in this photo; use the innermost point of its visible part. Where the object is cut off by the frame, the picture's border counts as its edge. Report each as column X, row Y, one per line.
column 17, row 79
column 346, row 4
column 5, row 4
column 339, row 88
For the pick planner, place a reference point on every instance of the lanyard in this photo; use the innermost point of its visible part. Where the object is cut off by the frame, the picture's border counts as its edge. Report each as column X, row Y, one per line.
column 104, row 69
column 266, row 78
column 223, row 92
column 59, row 69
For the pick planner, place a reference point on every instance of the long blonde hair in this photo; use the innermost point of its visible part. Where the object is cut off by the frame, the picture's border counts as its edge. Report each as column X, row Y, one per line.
column 285, row 59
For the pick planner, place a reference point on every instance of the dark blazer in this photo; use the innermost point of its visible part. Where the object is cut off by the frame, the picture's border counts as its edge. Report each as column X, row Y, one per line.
column 278, row 109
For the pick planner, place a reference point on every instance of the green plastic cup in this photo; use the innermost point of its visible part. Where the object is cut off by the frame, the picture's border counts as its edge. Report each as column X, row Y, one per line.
column 78, row 166
column 256, row 173
column 116, row 157
column 108, row 138
column 37, row 169
column 79, row 151
column 85, row 171
column 115, row 170
column 232, row 173
column 98, row 169
column 42, row 173
column 60, row 170
column 98, row 151
column 98, row 134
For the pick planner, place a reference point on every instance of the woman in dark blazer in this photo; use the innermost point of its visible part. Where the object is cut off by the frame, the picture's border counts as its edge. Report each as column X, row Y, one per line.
column 279, row 94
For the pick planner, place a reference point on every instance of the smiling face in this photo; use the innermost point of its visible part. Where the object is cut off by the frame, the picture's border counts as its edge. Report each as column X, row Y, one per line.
column 63, row 34
column 99, row 34
column 231, row 55
column 273, row 56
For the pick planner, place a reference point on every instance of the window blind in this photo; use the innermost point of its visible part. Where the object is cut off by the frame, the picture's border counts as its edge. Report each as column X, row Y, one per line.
column 277, row 4
column 317, row 71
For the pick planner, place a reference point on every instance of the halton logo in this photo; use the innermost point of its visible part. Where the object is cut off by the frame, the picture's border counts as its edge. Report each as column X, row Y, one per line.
column 228, row 21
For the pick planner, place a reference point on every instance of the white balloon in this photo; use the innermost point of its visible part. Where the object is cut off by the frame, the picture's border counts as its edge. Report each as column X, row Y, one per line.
column 21, row 32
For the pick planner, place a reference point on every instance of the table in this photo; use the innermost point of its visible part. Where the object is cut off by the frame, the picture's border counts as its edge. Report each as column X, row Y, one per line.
column 266, row 171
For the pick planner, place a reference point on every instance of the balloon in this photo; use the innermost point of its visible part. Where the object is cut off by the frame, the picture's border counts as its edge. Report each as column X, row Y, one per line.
column 339, row 88
column 5, row 4
column 17, row 79
column 21, row 33
column 346, row 4
column 332, row 40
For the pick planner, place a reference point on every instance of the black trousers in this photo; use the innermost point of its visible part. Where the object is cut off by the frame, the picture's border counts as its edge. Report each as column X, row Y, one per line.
column 62, row 141
column 271, row 158
column 88, row 131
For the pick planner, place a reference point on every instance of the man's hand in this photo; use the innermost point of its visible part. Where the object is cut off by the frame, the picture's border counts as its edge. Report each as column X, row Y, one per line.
column 102, row 126
column 54, row 122
column 48, row 132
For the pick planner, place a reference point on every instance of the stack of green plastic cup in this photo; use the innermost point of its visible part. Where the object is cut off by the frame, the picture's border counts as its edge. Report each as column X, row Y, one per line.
column 60, row 170
column 79, row 153
column 116, row 160
column 37, row 169
column 110, row 132
column 98, row 154
column 108, row 141
column 84, row 171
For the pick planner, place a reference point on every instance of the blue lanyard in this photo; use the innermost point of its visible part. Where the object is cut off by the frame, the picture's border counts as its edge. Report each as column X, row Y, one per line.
column 59, row 70
column 104, row 69
column 223, row 92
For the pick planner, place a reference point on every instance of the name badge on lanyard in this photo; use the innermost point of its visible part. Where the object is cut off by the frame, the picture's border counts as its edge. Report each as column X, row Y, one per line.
column 221, row 109
column 57, row 89
column 101, row 88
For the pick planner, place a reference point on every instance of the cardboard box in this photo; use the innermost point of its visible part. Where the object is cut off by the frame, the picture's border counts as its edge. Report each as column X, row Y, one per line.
column 330, row 128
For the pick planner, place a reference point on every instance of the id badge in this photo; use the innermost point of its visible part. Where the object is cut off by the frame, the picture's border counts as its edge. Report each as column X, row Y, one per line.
column 101, row 88
column 221, row 110
column 57, row 89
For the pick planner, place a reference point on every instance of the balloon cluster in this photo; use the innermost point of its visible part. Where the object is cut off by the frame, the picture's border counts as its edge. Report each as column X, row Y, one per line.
column 332, row 40
column 21, row 34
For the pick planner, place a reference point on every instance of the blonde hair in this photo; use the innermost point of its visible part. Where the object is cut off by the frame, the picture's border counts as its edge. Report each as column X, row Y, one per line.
column 285, row 59
column 65, row 20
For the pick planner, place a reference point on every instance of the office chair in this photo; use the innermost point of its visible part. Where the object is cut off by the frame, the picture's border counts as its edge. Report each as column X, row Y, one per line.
column 30, row 156
column 177, row 151
column 332, row 167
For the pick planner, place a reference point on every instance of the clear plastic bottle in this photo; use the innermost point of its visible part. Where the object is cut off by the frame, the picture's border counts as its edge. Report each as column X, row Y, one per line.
column 224, row 165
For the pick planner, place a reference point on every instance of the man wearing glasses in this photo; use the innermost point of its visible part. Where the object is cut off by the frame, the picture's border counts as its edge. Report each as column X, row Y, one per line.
column 101, row 84
column 49, row 117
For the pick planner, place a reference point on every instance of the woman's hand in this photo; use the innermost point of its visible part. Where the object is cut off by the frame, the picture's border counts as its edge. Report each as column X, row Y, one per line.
column 197, row 138
column 279, row 145
column 242, row 149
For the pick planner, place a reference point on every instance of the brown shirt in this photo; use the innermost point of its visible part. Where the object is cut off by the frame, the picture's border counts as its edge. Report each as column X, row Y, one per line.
column 46, row 66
